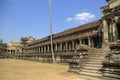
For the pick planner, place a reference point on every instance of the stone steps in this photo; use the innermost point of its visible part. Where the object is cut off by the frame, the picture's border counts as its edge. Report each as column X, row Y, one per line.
column 91, row 70
column 95, row 62
column 92, row 67
column 100, row 58
column 111, row 76
column 91, row 76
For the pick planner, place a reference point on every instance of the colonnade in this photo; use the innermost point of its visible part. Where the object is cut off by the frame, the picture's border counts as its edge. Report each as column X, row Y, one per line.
column 62, row 46
column 7, row 51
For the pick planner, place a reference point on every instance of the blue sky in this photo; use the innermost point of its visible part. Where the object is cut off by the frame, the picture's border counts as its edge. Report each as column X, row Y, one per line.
column 23, row 18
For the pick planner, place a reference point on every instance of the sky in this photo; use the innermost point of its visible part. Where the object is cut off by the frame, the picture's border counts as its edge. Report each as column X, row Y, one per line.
column 24, row 18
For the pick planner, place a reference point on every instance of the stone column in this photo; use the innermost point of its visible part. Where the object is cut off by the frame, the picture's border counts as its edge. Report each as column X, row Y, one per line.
column 115, row 36
column 73, row 45
column 80, row 41
column 56, row 47
column 105, row 31
column 89, row 42
column 39, row 49
column 35, row 49
column 66, row 45
column 32, row 50
column 48, row 48
column 69, row 46
column 44, row 48
column 92, row 42
column 105, row 46
column 110, row 32
column 61, row 46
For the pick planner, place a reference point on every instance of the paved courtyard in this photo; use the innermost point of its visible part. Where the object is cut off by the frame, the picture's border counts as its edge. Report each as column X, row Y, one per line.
column 11, row 69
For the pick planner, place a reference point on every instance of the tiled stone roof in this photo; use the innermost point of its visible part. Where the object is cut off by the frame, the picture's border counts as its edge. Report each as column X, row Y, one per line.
column 69, row 31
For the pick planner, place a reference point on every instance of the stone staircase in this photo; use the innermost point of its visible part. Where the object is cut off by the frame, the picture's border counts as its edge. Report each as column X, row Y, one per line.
column 111, row 74
column 92, row 68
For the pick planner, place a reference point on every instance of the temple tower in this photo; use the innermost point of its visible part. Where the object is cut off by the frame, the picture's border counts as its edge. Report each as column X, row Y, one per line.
column 111, row 22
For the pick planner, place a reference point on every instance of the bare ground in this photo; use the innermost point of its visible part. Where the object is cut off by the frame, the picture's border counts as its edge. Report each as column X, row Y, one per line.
column 27, row 70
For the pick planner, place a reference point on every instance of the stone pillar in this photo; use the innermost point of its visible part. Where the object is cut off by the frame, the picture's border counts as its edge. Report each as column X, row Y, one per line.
column 44, row 48
column 73, row 45
column 61, row 46
column 66, row 45
column 39, row 49
column 69, row 46
column 30, row 50
column 110, row 32
column 56, row 47
column 115, row 36
column 33, row 50
column 36, row 50
column 92, row 42
column 80, row 41
column 48, row 48
column 89, row 42
column 105, row 31
column 105, row 46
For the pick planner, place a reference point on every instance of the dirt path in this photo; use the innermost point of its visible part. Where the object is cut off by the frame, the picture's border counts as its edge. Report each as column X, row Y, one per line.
column 28, row 70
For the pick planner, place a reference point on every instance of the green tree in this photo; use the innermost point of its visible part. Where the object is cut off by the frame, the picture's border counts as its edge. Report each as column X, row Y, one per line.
column 1, row 44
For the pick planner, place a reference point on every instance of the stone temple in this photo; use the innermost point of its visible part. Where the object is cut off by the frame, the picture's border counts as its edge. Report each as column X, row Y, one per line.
column 91, row 50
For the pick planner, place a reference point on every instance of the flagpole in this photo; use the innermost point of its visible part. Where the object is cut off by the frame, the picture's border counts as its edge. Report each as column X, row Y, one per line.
column 51, row 37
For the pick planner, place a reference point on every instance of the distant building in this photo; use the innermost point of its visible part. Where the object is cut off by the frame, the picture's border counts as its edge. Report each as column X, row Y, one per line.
column 15, row 46
column 25, row 40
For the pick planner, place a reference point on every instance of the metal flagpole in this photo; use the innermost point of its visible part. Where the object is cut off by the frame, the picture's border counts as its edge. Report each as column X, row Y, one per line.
column 53, row 56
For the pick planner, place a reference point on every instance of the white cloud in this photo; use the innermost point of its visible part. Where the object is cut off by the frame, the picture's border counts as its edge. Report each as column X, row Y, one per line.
column 69, row 19
column 82, row 17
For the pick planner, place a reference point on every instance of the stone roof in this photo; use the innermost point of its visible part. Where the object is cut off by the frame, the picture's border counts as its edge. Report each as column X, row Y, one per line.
column 70, row 31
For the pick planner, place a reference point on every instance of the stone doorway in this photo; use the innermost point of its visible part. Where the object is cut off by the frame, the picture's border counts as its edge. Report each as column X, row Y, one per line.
column 118, row 28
